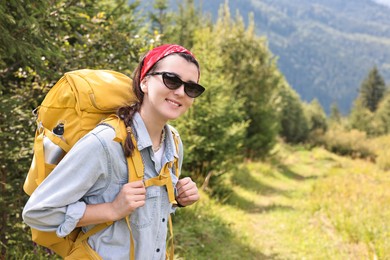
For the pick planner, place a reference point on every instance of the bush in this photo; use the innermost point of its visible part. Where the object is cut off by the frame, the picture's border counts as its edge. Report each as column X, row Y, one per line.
column 353, row 143
column 382, row 149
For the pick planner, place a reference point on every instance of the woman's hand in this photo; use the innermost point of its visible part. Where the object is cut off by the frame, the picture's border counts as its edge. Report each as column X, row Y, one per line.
column 187, row 192
column 131, row 197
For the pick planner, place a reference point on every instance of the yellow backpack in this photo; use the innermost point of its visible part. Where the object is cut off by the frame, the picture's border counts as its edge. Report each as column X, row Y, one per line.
column 79, row 100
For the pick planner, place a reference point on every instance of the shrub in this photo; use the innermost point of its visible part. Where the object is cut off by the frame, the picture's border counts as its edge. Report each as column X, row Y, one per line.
column 353, row 143
column 382, row 150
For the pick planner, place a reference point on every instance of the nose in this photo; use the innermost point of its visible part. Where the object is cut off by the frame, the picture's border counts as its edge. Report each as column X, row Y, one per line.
column 180, row 91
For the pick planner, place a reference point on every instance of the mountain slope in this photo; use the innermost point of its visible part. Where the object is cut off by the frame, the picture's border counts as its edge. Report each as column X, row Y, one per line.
column 325, row 47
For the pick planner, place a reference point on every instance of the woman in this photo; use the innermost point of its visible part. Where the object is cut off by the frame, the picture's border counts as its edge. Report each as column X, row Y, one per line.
column 91, row 185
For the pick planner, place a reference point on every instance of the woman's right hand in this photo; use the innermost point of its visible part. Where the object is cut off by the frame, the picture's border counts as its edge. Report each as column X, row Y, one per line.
column 131, row 196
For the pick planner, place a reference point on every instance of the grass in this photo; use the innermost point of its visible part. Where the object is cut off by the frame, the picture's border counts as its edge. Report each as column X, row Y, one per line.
column 300, row 204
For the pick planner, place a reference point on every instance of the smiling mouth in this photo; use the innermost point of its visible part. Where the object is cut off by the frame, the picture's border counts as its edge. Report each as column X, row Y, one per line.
column 173, row 103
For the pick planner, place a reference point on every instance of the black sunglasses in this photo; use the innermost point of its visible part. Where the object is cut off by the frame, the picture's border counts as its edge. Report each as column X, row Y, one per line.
column 173, row 81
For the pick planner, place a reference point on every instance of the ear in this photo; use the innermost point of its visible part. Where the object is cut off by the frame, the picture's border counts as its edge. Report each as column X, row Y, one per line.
column 144, row 86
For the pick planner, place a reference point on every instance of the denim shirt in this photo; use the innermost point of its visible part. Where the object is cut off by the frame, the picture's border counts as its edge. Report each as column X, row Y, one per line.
column 93, row 172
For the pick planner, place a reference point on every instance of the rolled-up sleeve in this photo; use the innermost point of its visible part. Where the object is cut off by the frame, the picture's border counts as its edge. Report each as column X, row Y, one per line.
column 74, row 213
column 57, row 204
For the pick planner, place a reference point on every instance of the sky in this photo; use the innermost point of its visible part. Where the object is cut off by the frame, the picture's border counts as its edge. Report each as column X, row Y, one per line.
column 384, row 2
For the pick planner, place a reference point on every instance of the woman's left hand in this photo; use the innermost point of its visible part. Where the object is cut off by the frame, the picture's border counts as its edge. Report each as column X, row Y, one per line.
column 187, row 192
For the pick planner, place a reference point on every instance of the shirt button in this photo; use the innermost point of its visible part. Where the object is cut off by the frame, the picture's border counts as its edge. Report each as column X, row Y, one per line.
column 158, row 250
column 163, row 220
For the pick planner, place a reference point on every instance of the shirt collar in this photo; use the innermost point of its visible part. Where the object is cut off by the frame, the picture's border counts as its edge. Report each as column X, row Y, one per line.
column 144, row 141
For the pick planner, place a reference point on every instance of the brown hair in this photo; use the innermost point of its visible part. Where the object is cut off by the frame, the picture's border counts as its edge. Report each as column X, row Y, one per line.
column 126, row 113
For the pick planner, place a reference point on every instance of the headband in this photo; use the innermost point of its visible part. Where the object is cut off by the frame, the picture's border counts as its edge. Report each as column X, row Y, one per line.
column 153, row 56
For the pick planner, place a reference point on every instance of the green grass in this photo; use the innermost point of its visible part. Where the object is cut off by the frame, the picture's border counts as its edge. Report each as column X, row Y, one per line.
column 300, row 204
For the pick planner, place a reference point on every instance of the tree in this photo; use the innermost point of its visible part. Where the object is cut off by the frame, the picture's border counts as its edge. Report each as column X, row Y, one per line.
column 41, row 41
column 361, row 118
column 253, row 76
column 363, row 114
column 316, row 116
column 214, row 128
column 185, row 22
column 335, row 115
column 372, row 90
column 24, row 27
column 382, row 116
column 293, row 123
column 160, row 18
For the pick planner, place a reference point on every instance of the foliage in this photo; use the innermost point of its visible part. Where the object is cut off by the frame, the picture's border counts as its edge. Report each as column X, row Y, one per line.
column 351, row 143
column 214, row 127
column 299, row 204
column 184, row 23
column 381, row 146
column 372, row 90
column 382, row 116
column 335, row 114
column 160, row 18
column 60, row 36
column 200, row 231
column 24, row 30
column 235, row 111
column 361, row 118
column 294, row 125
column 316, row 116
column 253, row 76
column 353, row 202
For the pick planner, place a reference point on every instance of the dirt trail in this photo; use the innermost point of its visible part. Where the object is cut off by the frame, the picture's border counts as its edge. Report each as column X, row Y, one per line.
column 277, row 217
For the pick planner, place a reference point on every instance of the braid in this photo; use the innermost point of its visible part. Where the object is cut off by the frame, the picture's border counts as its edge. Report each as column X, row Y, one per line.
column 126, row 114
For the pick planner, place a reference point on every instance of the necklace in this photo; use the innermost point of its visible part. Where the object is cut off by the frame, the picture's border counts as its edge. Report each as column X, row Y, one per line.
column 162, row 138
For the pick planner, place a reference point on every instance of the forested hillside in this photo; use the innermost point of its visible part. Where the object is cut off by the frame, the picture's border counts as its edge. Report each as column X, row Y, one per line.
column 324, row 48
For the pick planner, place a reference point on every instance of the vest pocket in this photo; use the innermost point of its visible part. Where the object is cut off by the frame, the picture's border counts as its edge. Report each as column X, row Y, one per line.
column 143, row 216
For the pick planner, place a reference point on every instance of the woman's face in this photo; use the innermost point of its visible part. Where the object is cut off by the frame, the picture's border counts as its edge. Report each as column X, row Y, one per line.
column 168, row 104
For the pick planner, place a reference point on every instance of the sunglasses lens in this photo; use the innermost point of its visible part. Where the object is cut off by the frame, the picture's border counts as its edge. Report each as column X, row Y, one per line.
column 193, row 90
column 172, row 81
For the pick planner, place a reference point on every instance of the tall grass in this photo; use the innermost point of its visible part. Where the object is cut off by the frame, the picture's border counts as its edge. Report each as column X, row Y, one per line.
column 355, row 202
column 300, row 204
column 381, row 145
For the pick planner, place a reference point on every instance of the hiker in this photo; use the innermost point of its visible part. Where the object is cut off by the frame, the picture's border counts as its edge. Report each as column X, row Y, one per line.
column 90, row 184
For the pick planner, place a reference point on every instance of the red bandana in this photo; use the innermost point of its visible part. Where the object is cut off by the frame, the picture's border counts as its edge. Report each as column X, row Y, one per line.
column 153, row 56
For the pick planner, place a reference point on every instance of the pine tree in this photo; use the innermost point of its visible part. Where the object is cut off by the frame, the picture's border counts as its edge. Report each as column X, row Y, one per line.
column 294, row 126
column 335, row 115
column 372, row 89
column 160, row 17
column 185, row 22
column 253, row 76
column 361, row 118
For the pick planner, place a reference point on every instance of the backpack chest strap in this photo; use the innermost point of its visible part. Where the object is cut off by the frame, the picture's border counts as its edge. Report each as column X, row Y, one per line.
column 164, row 178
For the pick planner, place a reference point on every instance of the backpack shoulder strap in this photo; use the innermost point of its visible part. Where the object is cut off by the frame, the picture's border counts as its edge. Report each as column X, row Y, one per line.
column 134, row 163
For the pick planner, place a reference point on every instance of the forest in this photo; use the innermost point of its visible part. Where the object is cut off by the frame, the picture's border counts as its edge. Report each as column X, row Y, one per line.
column 324, row 48
column 280, row 178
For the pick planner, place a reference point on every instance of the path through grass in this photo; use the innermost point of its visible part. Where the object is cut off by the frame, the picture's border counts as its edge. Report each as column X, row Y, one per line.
column 299, row 205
